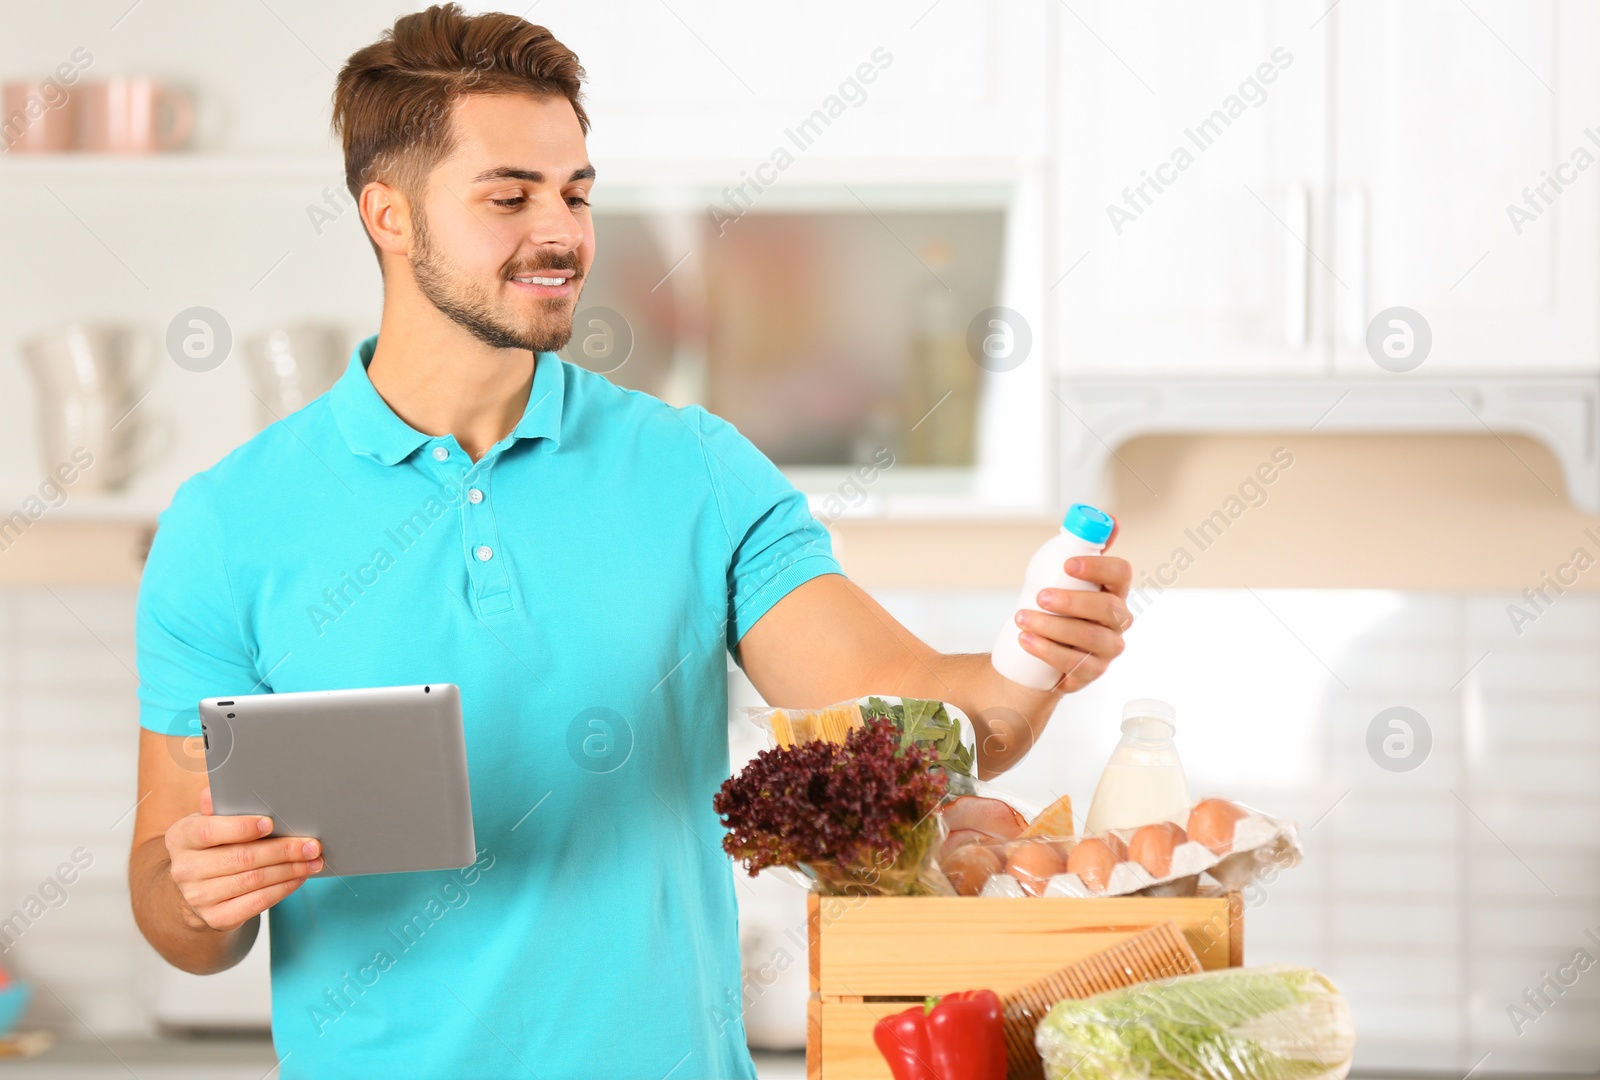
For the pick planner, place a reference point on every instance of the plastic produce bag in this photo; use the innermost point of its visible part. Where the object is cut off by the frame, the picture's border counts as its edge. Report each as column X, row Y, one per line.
column 856, row 815
column 913, row 872
column 936, row 725
column 1263, row 1023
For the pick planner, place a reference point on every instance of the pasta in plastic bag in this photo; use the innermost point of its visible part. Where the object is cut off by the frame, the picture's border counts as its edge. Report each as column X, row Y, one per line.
column 937, row 725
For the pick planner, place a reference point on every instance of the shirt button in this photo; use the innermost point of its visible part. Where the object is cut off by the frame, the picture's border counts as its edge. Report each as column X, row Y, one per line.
column 485, row 553
column 440, row 453
column 474, row 495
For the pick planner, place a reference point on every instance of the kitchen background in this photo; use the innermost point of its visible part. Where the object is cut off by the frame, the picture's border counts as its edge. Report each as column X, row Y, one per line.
column 1033, row 253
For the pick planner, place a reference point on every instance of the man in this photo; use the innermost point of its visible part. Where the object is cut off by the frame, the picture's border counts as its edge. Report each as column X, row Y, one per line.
column 465, row 507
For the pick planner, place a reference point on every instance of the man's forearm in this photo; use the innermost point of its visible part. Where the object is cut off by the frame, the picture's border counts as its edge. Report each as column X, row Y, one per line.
column 170, row 924
column 828, row 640
column 1008, row 718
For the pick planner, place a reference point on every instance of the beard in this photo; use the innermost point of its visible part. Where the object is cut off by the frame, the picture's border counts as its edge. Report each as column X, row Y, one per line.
column 479, row 310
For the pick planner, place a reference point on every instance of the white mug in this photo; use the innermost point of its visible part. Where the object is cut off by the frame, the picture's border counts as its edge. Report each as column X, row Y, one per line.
column 294, row 365
column 89, row 379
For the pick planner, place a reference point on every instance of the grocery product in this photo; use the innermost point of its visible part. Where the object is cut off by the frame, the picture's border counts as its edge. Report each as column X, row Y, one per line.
column 987, row 836
column 1212, row 822
column 1259, row 845
column 1152, row 845
column 991, row 817
column 956, row 1037
column 1054, row 820
column 857, row 817
column 1143, row 781
column 1084, row 531
column 1268, row 1023
column 1158, row 859
column 1160, row 952
column 1092, row 860
column 937, row 726
column 969, row 867
column 1034, row 863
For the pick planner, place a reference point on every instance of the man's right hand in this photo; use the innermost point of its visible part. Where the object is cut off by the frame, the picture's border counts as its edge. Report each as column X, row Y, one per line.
column 227, row 869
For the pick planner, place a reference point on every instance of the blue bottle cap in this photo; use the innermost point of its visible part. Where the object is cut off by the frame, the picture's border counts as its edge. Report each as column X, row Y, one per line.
column 1088, row 524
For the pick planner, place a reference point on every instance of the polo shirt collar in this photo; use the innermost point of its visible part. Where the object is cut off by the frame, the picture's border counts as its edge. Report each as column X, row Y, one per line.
column 373, row 430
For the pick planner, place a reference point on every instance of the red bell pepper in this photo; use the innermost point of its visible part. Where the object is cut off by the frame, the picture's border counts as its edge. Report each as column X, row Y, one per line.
column 956, row 1037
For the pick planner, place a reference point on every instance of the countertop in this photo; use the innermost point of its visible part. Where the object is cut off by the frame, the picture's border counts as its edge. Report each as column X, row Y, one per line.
column 223, row 1058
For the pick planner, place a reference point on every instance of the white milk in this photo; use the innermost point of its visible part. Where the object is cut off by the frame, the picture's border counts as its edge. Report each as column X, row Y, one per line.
column 1143, row 783
column 1134, row 795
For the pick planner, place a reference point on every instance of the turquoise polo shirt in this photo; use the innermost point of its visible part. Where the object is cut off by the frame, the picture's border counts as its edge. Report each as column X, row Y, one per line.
column 582, row 583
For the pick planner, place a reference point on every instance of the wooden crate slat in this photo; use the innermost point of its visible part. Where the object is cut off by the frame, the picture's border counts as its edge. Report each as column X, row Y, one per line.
column 814, row 938
column 814, row 1038
column 845, row 1040
column 914, row 946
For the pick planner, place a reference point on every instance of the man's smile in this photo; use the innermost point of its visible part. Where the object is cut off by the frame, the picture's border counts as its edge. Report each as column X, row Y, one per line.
column 555, row 283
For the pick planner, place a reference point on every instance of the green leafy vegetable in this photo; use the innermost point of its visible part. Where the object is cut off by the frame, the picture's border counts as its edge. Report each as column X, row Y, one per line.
column 1272, row 1023
column 858, row 816
column 930, row 725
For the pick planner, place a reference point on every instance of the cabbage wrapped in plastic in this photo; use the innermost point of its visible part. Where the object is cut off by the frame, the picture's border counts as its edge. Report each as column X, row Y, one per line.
column 1264, row 1023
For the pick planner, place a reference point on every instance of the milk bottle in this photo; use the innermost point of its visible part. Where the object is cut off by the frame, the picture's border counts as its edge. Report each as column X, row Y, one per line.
column 1143, row 782
column 1084, row 531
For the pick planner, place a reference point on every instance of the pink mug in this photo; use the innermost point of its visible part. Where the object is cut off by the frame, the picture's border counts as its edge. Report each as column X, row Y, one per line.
column 38, row 116
column 133, row 114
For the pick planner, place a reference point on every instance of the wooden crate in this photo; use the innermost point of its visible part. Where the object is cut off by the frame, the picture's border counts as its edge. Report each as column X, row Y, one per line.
column 874, row 956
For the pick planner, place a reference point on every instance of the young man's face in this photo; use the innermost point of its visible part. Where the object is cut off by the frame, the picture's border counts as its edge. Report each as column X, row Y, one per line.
column 511, row 203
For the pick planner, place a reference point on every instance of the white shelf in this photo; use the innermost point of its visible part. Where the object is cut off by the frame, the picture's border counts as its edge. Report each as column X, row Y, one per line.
column 626, row 184
column 198, row 165
column 112, row 508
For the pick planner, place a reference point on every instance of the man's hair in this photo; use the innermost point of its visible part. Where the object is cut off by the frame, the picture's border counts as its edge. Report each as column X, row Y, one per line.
column 393, row 98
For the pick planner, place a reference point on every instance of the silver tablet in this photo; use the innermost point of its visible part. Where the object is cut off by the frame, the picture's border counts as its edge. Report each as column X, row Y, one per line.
column 378, row 775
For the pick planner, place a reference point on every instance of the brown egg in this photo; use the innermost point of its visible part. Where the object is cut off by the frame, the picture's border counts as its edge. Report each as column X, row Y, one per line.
column 1151, row 847
column 969, row 867
column 1118, row 846
column 960, row 838
column 1033, row 863
column 1092, row 860
column 1212, row 822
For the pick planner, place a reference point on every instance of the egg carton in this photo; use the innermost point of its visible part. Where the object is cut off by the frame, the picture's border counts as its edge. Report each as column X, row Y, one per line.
column 1259, row 841
column 1189, row 861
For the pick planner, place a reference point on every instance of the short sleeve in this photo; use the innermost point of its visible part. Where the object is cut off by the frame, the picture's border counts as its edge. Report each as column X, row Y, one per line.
column 775, row 544
column 187, row 631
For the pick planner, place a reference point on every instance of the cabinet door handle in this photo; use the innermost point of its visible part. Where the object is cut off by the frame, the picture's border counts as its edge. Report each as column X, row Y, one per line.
column 1296, row 273
column 1350, row 235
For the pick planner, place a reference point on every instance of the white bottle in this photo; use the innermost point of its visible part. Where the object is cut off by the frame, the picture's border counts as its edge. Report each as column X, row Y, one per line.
column 1143, row 783
column 1084, row 531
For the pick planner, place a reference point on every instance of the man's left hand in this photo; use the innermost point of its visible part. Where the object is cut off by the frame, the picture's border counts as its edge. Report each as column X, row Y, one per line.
column 1079, row 633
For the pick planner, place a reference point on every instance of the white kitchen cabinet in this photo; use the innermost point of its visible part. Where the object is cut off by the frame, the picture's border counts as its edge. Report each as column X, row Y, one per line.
column 708, row 80
column 1467, row 181
column 1437, row 156
column 1192, row 159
